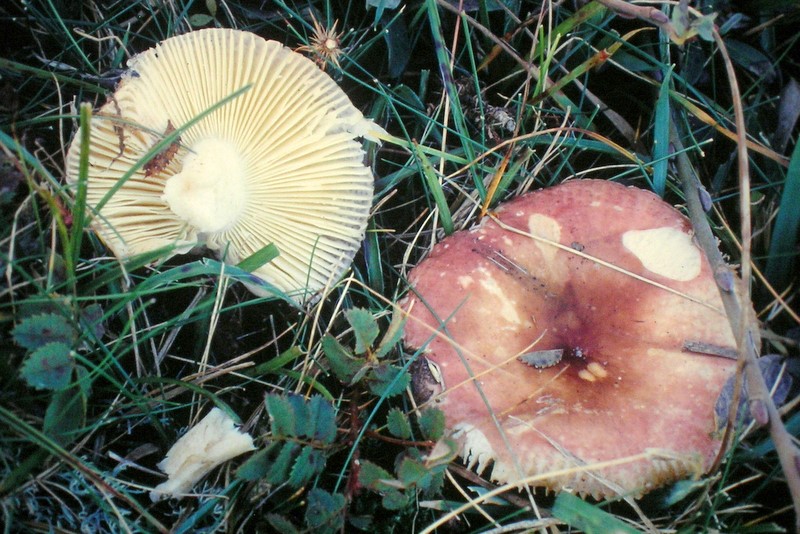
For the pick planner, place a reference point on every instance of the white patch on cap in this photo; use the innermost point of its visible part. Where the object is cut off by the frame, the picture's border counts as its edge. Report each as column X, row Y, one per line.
column 505, row 305
column 667, row 251
column 547, row 228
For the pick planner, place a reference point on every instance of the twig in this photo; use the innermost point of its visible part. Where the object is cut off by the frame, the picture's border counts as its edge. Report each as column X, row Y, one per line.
column 736, row 298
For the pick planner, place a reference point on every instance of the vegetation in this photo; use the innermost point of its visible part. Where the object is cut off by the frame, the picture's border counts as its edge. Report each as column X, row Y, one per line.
column 105, row 363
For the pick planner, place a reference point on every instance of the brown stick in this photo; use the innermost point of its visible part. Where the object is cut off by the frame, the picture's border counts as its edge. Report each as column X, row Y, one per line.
column 736, row 302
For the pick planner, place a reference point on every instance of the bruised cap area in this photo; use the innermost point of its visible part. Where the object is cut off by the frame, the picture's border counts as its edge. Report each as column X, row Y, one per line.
column 267, row 153
column 578, row 348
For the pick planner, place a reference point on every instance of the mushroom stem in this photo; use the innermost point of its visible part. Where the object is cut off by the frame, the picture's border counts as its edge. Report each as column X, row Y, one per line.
column 209, row 193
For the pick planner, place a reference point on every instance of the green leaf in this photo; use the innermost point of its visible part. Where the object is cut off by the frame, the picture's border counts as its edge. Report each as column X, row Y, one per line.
column 395, row 500
column 91, row 319
column 661, row 135
column 49, row 367
column 309, row 463
column 431, row 423
column 257, row 465
column 388, row 380
column 392, row 335
column 39, row 330
column 279, row 470
column 783, row 242
column 365, row 328
column 343, row 364
column 378, row 479
column 303, row 426
column 413, row 473
column 65, row 415
column 373, row 476
column 281, row 416
column 323, row 418
column 584, row 516
column 398, row 424
column 325, row 511
column 200, row 19
column 281, row 524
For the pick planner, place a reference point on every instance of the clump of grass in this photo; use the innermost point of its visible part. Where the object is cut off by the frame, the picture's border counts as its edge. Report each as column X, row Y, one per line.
column 484, row 103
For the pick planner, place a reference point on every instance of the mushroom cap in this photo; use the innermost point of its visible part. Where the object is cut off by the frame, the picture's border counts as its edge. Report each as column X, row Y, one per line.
column 580, row 361
column 279, row 163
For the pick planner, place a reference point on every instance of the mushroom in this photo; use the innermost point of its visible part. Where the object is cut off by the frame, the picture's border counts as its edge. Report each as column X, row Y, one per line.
column 266, row 152
column 553, row 340
column 212, row 441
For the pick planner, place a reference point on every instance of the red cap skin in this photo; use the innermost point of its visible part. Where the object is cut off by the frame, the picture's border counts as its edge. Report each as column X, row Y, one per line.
column 624, row 386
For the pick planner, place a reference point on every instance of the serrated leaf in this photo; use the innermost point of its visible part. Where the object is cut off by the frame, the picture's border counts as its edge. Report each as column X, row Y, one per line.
column 200, row 19
column 281, row 416
column 49, row 367
column 325, row 511
column 343, row 364
column 398, row 424
column 65, row 415
column 431, row 424
column 413, row 473
column 394, row 499
column 39, row 330
column 91, row 319
column 365, row 328
column 373, row 476
column 392, row 335
column 309, row 463
column 257, row 465
column 302, row 421
column 279, row 470
column 323, row 417
column 388, row 380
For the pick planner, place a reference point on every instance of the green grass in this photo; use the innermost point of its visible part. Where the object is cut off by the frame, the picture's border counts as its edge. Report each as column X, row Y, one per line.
column 481, row 106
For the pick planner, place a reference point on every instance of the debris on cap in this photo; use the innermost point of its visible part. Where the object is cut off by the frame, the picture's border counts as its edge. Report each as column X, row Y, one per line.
column 563, row 320
column 263, row 150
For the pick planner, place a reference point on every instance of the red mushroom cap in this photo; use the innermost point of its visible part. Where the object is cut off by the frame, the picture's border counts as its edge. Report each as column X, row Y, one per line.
column 557, row 332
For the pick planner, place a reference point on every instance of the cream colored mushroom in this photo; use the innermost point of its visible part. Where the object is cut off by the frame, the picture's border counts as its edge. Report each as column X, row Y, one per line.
column 267, row 153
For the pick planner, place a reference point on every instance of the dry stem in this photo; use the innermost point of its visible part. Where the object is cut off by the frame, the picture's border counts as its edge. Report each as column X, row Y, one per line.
column 736, row 300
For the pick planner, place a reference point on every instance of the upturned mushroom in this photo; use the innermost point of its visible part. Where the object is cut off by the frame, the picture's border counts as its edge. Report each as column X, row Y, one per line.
column 266, row 152
column 553, row 337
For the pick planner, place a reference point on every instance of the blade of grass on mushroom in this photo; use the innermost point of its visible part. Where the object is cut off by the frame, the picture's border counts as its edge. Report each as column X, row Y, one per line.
column 372, row 255
column 164, row 143
column 73, row 245
column 783, row 241
column 259, row 258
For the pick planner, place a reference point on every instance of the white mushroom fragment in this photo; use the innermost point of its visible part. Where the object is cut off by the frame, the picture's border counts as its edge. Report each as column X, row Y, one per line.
column 267, row 152
column 214, row 440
